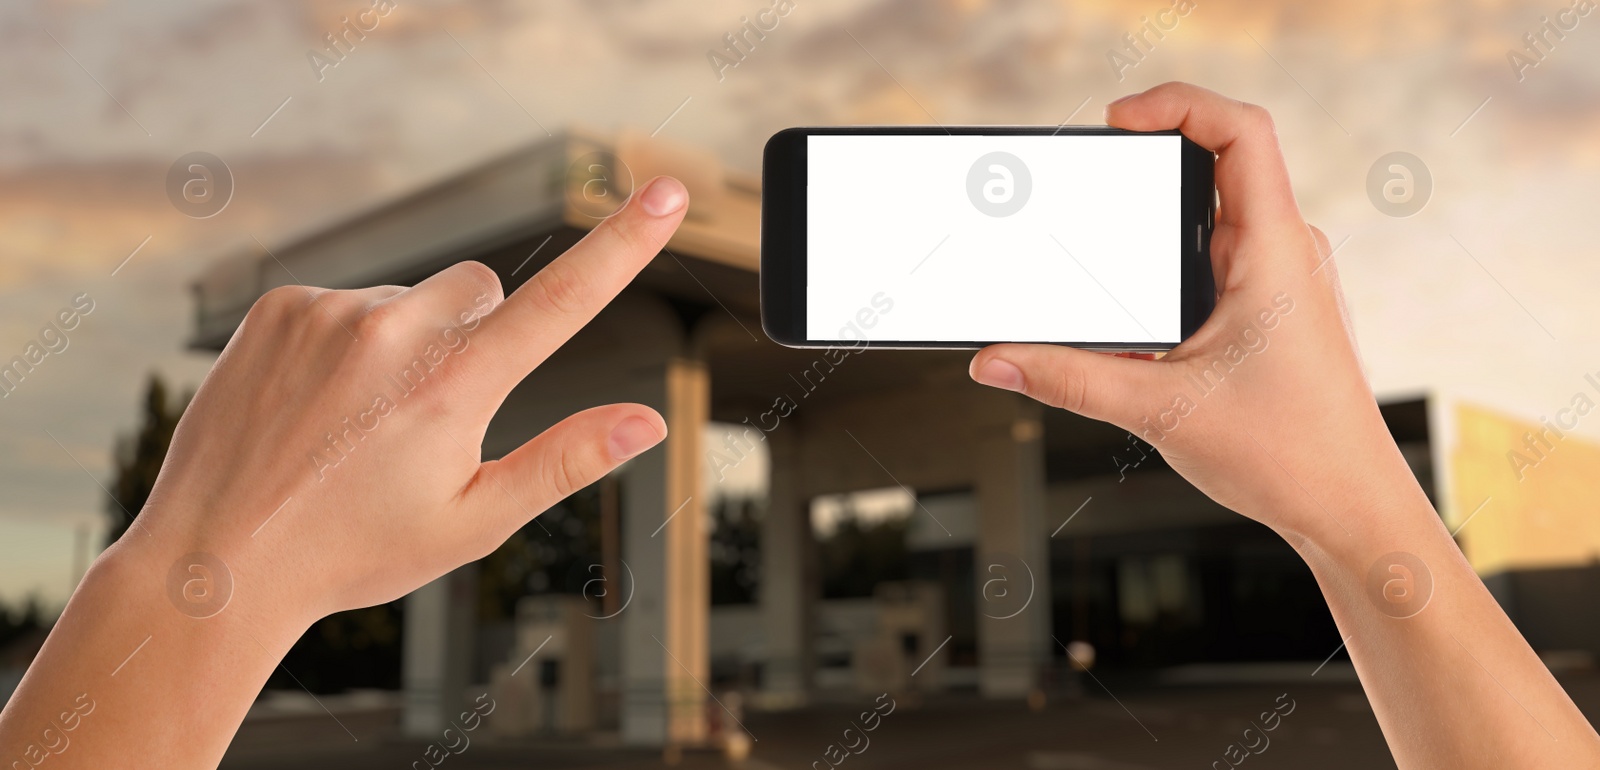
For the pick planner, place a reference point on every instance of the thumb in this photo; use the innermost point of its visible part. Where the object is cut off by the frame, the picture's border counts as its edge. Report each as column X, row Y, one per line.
column 570, row 455
column 1095, row 385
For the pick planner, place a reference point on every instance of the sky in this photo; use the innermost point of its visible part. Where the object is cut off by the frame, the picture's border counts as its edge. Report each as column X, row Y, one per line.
column 1485, row 295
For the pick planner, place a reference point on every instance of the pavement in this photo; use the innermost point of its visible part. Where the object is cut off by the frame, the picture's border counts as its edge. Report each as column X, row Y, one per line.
column 1142, row 727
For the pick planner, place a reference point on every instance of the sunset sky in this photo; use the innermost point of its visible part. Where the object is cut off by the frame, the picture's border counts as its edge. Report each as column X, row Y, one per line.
column 1486, row 295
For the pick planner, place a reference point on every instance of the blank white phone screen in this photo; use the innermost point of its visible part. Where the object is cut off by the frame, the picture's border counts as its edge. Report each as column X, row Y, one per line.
column 939, row 238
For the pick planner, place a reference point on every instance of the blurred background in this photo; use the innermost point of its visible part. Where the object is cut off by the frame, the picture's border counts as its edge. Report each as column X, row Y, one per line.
column 830, row 536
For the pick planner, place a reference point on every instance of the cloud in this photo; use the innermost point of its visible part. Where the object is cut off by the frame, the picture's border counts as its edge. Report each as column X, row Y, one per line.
column 439, row 86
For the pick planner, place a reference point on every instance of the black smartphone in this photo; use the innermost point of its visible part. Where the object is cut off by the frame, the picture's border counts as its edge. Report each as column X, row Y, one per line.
column 965, row 236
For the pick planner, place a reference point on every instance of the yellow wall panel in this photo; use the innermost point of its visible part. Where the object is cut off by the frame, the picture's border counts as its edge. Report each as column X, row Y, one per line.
column 1541, row 483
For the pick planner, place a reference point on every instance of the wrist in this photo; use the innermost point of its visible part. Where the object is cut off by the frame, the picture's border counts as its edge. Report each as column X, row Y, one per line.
column 1386, row 516
column 1338, row 489
column 133, row 657
column 214, row 595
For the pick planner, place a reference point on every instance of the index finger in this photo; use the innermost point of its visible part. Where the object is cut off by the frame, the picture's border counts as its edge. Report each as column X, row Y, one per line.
column 569, row 292
column 1252, row 180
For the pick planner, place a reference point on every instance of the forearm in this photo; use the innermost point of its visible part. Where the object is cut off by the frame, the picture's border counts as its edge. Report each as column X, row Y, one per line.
column 1451, row 680
column 127, row 678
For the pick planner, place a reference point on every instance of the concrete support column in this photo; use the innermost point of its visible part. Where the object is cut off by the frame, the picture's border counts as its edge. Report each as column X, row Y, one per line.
column 1012, row 556
column 666, row 628
column 788, row 578
column 440, row 639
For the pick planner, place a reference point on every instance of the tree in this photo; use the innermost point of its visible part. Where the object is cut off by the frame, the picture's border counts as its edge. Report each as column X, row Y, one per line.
column 558, row 552
column 862, row 553
column 15, row 625
column 735, row 552
column 137, row 458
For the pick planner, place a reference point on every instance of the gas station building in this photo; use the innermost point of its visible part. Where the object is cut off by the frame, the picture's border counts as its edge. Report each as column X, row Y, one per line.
column 1091, row 538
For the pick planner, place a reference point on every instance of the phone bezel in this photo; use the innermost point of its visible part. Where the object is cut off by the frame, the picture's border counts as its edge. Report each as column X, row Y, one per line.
column 784, row 179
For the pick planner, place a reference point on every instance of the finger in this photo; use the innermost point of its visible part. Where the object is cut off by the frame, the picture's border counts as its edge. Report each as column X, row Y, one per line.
column 557, row 302
column 1324, row 246
column 1251, row 177
column 458, row 294
column 571, row 455
column 1329, row 269
column 1320, row 257
column 1097, row 386
column 378, row 293
column 343, row 305
column 365, row 299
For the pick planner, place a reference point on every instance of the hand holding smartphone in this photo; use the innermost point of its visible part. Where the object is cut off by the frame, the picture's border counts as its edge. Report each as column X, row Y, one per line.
column 966, row 236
